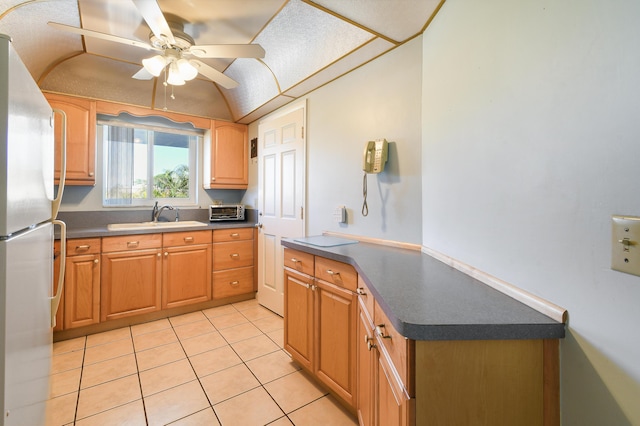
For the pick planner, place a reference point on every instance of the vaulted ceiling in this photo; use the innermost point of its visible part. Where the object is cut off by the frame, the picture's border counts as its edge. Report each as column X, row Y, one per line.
column 307, row 44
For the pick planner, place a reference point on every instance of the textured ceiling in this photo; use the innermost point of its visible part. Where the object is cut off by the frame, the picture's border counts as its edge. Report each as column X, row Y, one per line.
column 307, row 43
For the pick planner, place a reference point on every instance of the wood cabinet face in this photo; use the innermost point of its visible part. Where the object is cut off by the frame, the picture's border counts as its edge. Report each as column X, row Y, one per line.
column 82, row 291
column 186, row 275
column 366, row 352
column 81, row 138
column 299, row 317
column 131, row 283
column 229, row 162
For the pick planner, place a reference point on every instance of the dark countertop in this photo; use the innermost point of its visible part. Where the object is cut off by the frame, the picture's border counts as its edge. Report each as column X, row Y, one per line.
column 426, row 299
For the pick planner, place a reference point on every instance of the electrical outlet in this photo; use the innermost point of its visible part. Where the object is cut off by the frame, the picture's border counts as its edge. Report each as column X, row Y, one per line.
column 625, row 244
column 340, row 214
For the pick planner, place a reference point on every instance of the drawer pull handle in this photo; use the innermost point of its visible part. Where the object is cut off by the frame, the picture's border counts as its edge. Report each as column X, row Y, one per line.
column 234, row 235
column 361, row 291
column 330, row 272
column 84, row 247
column 234, row 283
column 234, row 255
column 133, row 244
column 380, row 332
column 188, row 239
column 294, row 260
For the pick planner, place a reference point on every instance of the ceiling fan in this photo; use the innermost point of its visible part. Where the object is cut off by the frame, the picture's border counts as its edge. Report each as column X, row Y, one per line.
column 177, row 52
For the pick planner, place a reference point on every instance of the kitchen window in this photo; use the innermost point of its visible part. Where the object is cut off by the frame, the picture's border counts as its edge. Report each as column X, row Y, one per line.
column 148, row 160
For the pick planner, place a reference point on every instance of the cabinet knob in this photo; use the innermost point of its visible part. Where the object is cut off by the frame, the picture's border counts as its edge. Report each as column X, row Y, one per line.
column 361, row 291
column 213, row 179
column 91, row 174
column 369, row 341
column 95, row 261
column 159, row 255
column 166, row 254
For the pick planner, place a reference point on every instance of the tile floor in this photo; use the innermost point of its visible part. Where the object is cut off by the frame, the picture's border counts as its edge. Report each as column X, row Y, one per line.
column 220, row 366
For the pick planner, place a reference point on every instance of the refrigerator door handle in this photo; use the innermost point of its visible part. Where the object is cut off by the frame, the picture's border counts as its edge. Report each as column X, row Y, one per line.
column 55, row 204
column 55, row 300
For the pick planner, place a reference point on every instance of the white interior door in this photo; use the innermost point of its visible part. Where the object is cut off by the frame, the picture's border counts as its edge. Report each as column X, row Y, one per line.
column 282, row 182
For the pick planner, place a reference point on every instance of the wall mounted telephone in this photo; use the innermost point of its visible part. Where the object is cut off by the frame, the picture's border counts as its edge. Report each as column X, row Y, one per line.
column 375, row 156
column 373, row 161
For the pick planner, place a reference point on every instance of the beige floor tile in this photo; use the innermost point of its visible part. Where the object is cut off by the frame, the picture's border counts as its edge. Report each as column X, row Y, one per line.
column 277, row 337
column 186, row 318
column 322, row 412
column 148, row 327
column 175, row 403
column 64, row 383
column 108, row 351
column 66, row 361
column 160, row 355
column 215, row 360
column 154, row 338
column 70, row 345
column 246, row 304
column 282, row 421
column 272, row 366
column 201, row 418
column 108, row 395
column 269, row 324
column 256, row 313
column 240, row 332
column 228, row 383
column 131, row 414
column 193, row 329
column 61, row 410
column 108, row 336
column 294, row 390
column 203, row 343
column 254, row 347
column 228, row 320
column 251, row 408
column 219, row 310
column 166, row 376
column 111, row 369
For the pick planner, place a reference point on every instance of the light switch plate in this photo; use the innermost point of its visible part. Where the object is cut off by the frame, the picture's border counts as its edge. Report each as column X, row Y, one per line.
column 625, row 244
column 340, row 214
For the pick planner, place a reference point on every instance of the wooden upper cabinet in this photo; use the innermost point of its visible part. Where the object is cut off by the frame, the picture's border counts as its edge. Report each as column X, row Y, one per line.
column 226, row 162
column 81, row 138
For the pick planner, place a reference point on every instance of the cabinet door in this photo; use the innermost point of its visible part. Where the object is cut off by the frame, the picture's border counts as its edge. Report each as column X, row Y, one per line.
column 392, row 409
column 186, row 275
column 366, row 370
column 81, row 138
column 229, row 166
column 298, row 317
column 336, row 313
column 82, row 291
column 131, row 283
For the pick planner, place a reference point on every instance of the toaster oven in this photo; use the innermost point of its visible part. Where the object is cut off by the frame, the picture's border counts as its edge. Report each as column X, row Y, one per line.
column 223, row 212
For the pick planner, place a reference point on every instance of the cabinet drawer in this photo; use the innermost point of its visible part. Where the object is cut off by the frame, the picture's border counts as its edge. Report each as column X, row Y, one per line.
column 79, row 246
column 399, row 348
column 234, row 234
column 366, row 297
column 131, row 242
column 337, row 273
column 300, row 261
column 232, row 282
column 232, row 255
column 171, row 239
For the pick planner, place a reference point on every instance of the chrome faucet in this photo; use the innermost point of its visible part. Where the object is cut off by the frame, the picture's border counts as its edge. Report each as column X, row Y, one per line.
column 157, row 211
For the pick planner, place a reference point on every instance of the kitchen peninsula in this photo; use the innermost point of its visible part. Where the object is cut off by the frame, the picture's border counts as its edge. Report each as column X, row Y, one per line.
column 427, row 343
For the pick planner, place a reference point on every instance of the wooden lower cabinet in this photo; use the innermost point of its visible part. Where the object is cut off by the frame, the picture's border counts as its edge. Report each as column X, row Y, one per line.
column 186, row 268
column 320, row 323
column 82, row 291
column 131, row 280
column 233, row 262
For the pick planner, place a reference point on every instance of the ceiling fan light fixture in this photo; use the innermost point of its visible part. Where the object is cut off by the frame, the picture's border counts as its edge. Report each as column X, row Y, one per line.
column 186, row 69
column 175, row 79
column 155, row 64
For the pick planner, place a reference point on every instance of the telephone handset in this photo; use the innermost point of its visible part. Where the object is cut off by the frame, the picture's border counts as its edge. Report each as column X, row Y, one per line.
column 375, row 156
column 373, row 161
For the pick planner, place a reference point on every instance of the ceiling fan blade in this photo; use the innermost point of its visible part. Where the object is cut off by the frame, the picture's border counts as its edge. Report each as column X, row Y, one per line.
column 214, row 75
column 143, row 74
column 153, row 16
column 228, row 51
column 103, row 36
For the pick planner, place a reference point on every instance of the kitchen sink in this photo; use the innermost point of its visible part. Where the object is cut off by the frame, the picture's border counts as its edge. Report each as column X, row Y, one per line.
column 153, row 225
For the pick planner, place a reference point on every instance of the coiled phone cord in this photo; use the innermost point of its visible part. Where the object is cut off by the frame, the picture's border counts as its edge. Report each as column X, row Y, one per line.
column 365, row 208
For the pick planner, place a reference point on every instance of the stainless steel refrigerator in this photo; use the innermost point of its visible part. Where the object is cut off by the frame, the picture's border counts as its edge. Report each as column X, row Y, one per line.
column 27, row 215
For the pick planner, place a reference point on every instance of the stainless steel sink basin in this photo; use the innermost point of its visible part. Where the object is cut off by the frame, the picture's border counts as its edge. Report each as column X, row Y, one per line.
column 153, row 225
